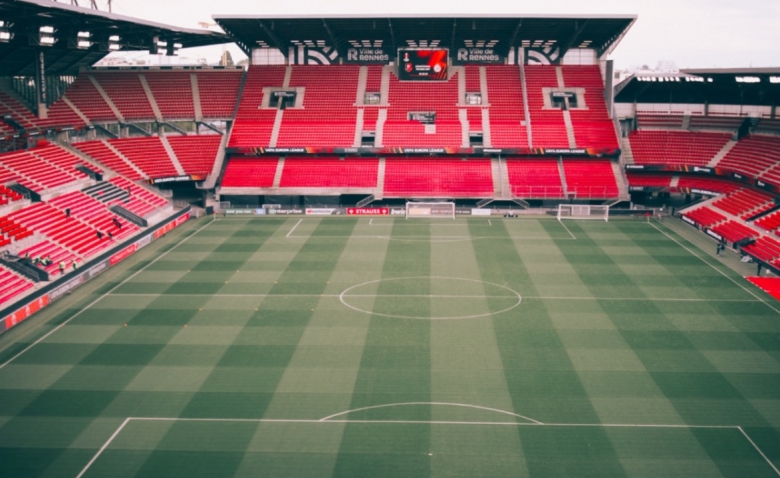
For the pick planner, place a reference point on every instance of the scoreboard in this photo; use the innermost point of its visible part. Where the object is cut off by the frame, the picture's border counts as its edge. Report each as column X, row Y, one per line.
column 422, row 64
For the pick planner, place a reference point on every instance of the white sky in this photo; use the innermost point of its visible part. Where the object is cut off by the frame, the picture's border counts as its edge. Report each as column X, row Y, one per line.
column 692, row 33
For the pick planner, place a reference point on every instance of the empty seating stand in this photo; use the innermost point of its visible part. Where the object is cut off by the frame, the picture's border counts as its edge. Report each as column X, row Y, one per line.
column 745, row 203
column 12, row 284
column 196, row 154
column 535, row 178
column 140, row 202
column 100, row 152
column 148, row 154
column 705, row 216
column 127, row 93
column 250, row 173
column 547, row 125
column 408, row 97
column 172, row 91
column 219, row 92
column 438, row 178
column 69, row 232
column 649, row 180
column 328, row 115
column 329, row 173
column 94, row 213
column 507, row 109
column 590, row 178
column 592, row 124
column 253, row 124
column 40, row 169
column 676, row 147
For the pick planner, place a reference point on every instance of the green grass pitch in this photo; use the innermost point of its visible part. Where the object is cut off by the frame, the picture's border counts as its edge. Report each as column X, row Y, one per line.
column 384, row 347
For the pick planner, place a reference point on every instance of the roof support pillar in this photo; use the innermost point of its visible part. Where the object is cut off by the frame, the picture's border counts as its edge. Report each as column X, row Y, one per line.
column 41, row 95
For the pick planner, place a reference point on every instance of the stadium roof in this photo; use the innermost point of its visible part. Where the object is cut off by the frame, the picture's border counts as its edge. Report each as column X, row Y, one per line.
column 747, row 86
column 601, row 33
column 23, row 19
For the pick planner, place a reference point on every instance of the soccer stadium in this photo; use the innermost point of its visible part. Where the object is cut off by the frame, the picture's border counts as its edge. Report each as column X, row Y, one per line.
column 396, row 246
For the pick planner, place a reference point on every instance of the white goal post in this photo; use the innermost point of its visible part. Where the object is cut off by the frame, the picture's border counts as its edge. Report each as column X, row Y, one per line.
column 582, row 211
column 440, row 210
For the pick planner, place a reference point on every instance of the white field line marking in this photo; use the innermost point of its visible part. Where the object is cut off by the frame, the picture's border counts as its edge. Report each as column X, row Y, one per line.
column 759, row 451
column 329, row 420
column 105, row 295
column 371, row 222
column 294, row 227
column 445, row 404
column 716, row 269
column 490, row 223
column 567, row 230
column 437, row 224
column 435, row 238
column 103, row 448
column 449, row 297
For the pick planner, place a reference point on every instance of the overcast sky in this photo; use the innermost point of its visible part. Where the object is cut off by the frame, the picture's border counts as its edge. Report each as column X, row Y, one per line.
column 692, row 33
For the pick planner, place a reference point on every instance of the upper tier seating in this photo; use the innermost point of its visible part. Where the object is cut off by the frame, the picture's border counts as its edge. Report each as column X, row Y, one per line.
column 435, row 178
column 405, row 97
column 40, row 169
column 329, row 173
column 592, row 126
column 12, row 284
column 250, row 173
column 328, row 114
column 10, row 106
column 676, row 147
column 590, row 178
column 507, row 110
column 659, row 121
column 83, row 94
column 752, row 156
column 715, row 122
column 99, row 151
column 253, row 126
column 148, row 154
column 219, row 92
column 770, row 222
column 172, row 92
column 534, row 178
column 547, row 125
column 127, row 93
column 196, row 153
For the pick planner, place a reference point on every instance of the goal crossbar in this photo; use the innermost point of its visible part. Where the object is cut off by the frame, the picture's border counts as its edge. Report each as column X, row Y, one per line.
column 431, row 210
column 583, row 211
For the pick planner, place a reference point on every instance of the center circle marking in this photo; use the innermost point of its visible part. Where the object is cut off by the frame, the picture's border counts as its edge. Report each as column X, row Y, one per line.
column 513, row 294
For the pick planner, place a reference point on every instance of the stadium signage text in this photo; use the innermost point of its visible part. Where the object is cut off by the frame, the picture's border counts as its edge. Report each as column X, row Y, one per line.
column 287, row 212
column 704, row 192
column 477, row 55
column 321, row 211
column 714, row 234
column 66, row 287
column 367, row 55
column 123, row 254
column 172, row 179
column 688, row 220
column 368, row 211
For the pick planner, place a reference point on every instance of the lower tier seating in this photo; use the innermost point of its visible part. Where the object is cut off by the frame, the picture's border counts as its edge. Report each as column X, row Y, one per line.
column 12, row 284
column 534, row 178
column 765, row 248
column 705, row 216
column 423, row 177
column 196, row 154
column 250, row 173
column 733, row 231
column 745, row 203
column 590, row 178
column 329, row 173
column 102, row 153
column 54, row 253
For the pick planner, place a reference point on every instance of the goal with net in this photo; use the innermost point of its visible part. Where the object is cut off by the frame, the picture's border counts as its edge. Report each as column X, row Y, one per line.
column 582, row 211
column 440, row 210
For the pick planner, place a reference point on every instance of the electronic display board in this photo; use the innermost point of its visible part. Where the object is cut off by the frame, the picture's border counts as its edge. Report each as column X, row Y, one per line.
column 422, row 64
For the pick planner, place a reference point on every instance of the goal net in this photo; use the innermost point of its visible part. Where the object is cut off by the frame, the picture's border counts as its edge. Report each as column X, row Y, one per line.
column 441, row 210
column 582, row 211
